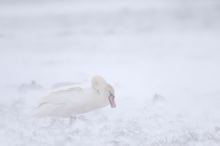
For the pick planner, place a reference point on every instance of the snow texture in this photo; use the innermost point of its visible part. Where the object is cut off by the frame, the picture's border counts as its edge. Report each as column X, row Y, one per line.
column 162, row 57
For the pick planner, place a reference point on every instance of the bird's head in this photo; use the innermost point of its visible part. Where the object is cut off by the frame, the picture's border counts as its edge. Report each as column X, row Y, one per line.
column 105, row 89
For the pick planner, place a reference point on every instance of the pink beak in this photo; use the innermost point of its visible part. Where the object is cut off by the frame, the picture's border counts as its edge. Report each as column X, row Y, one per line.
column 111, row 99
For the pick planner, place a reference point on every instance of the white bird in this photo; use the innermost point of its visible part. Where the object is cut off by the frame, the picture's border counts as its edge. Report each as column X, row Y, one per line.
column 74, row 101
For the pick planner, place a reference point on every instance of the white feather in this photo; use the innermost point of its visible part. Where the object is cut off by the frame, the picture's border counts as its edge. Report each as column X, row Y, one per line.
column 72, row 101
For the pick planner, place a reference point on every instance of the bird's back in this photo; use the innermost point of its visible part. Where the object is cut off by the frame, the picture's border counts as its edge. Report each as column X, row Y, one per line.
column 67, row 102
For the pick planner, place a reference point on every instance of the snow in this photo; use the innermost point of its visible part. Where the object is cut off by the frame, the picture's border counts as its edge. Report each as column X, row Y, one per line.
column 162, row 57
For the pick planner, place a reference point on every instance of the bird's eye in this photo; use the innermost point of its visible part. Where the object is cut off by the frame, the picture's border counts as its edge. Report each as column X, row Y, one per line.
column 110, row 94
column 98, row 91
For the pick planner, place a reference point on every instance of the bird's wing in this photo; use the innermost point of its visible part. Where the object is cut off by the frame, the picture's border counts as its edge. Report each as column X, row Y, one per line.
column 62, row 96
column 48, row 109
column 67, row 90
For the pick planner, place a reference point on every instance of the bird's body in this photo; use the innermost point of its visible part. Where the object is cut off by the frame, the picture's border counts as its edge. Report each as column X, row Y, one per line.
column 73, row 101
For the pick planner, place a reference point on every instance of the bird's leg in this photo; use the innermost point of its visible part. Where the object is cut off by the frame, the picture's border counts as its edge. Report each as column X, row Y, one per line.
column 72, row 119
column 52, row 122
column 82, row 118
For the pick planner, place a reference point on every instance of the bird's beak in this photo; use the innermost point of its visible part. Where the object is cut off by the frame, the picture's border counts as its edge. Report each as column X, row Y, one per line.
column 111, row 99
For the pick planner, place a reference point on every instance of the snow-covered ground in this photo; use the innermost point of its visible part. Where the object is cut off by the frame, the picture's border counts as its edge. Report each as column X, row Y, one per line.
column 162, row 57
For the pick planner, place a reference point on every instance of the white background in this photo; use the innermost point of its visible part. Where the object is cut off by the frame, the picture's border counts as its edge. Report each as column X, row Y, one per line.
column 162, row 57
